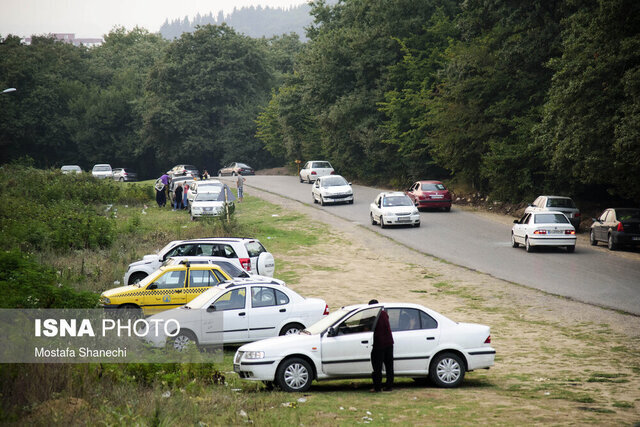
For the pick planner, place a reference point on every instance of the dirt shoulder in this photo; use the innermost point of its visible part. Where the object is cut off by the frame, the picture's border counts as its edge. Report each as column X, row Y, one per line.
column 558, row 360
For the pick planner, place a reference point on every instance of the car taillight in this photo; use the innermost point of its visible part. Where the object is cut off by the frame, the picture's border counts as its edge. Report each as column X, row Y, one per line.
column 540, row 232
column 488, row 340
column 246, row 263
column 576, row 215
column 313, row 173
column 569, row 231
column 620, row 227
column 333, row 172
column 326, row 310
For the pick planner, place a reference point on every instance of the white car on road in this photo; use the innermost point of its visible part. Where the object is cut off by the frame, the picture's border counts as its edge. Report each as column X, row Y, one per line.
column 248, row 253
column 237, row 313
column 426, row 344
column 393, row 208
column 331, row 189
column 314, row 169
column 543, row 229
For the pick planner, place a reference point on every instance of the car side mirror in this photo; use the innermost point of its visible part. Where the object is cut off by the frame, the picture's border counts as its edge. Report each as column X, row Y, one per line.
column 515, row 221
column 331, row 332
column 211, row 308
column 349, row 183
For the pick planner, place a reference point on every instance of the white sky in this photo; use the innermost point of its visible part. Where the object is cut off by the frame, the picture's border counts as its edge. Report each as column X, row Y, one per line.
column 94, row 18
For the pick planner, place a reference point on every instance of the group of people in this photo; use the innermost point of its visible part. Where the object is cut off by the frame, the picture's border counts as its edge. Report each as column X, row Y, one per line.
column 180, row 201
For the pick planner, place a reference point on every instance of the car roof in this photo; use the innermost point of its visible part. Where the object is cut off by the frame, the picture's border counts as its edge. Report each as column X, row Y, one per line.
column 391, row 193
column 556, row 197
column 385, row 304
column 547, row 213
column 429, row 181
column 329, row 176
column 217, row 239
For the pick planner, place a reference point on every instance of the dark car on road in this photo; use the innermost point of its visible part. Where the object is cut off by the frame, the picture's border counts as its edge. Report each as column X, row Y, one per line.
column 430, row 195
column 617, row 227
column 236, row 169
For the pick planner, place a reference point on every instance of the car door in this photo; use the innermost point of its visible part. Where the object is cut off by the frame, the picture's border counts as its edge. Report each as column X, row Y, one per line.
column 415, row 336
column 519, row 229
column 347, row 352
column 270, row 308
column 374, row 208
column 166, row 292
column 235, row 322
column 304, row 172
column 200, row 281
column 601, row 226
column 316, row 190
column 412, row 192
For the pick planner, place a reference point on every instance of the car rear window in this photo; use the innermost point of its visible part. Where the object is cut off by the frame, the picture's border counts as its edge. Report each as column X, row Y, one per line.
column 101, row 168
column 550, row 219
column 231, row 269
column 242, row 165
column 254, row 248
column 553, row 202
column 321, row 165
column 624, row 214
column 432, row 187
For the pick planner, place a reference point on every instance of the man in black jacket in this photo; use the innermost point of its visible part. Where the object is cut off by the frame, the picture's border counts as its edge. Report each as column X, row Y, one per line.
column 382, row 352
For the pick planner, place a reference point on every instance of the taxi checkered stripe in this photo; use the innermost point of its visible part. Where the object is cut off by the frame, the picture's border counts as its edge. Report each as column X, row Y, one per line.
column 164, row 292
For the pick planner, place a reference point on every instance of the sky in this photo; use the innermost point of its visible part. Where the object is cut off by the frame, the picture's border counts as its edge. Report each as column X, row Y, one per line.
column 94, row 18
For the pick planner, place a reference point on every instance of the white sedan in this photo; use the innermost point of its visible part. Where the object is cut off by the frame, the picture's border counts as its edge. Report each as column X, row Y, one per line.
column 426, row 344
column 543, row 229
column 237, row 313
column 212, row 202
column 393, row 208
column 331, row 189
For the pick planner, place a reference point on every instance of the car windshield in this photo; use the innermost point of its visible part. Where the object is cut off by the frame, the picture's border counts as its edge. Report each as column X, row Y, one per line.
column 550, row 218
column 624, row 214
column 210, row 187
column 324, row 165
column 208, row 197
column 101, row 168
column 204, row 298
column 150, row 278
column 326, row 322
column 432, row 187
column 557, row 202
column 334, row 181
column 390, row 201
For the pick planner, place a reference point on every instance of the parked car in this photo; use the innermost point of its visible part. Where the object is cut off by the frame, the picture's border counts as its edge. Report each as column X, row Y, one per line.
column 617, row 227
column 202, row 186
column 314, row 169
column 230, row 266
column 211, row 203
column 124, row 174
column 430, row 195
column 249, row 253
column 393, row 208
column 70, row 169
column 557, row 203
column 168, row 287
column 426, row 344
column 331, row 189
column 182, row 170
column 102, row 171
column 239, row 313
column 549, row 228
column 236, row 169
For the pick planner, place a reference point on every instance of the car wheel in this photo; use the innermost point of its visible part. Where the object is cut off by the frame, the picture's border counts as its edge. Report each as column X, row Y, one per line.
column 571, row 249
column 611, row 244
column 447, row 209
column 592, row 238
column 193, row 218
column 313, row 196
column 373, row 221
column 416, row 225
column 321, row 201
column 121, row 179
column 136, row 277
column 382, row 224
column 294, row 374
column 527, row 245
column 268, row 385
column 291, row 329
column 447, row 370
column 183, row 340
column 351, row 201
column 301, row 180
column 514, row 244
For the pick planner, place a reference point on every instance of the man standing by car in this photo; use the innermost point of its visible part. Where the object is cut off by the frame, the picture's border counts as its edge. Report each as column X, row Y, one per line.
column 382, row 352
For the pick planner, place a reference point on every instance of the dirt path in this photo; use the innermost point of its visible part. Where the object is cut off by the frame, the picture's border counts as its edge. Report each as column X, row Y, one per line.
column 558, row 361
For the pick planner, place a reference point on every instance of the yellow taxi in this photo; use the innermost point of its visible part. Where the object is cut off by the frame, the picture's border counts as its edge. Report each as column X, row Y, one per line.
column 168, row 287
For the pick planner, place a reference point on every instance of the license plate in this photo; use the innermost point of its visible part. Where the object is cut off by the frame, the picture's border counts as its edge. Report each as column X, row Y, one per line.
column 556, row 232
column 236, row 368
column 404, row 219
column 437, row 197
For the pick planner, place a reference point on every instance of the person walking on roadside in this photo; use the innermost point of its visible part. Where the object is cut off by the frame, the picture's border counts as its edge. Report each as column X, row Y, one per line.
column 382, row 352
column 240, row 184
column 178, row 197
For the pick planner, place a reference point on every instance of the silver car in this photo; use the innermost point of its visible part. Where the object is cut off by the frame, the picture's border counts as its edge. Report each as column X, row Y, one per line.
column 124, row 174
column 102, row 171
column 556, row 203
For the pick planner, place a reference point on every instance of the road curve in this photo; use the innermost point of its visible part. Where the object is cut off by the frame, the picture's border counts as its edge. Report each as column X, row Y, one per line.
column 470, row 240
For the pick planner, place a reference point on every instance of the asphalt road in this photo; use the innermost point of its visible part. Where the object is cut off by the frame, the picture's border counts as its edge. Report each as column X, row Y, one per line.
column 470, row 240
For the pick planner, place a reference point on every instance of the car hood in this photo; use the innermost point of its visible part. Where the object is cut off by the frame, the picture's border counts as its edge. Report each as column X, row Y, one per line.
column 285, row 344
column 398, row 209
column 336, row 189
column 147, row 259
column 120, row 290
column 212, row 204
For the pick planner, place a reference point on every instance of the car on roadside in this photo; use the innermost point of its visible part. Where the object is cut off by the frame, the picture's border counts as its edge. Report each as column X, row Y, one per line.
column 102, row 171
column 182, row 170
column 124, row 174
column 314, row 169
column 248, row 253
column 211, row 204
column 427, row 344
column 557, row 203
column 547, row 228
column 70, row 169
column 238, row 313
column 168, row 287
column 430, row 195
column 393, row 208
column 331, row 189
column 616, row 227
column 235, row 169
column 202, row 186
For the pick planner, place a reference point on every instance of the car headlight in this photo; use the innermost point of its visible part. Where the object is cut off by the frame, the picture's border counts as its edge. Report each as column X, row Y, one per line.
column 254, row 355
column 104, row 300
column 196, row 209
